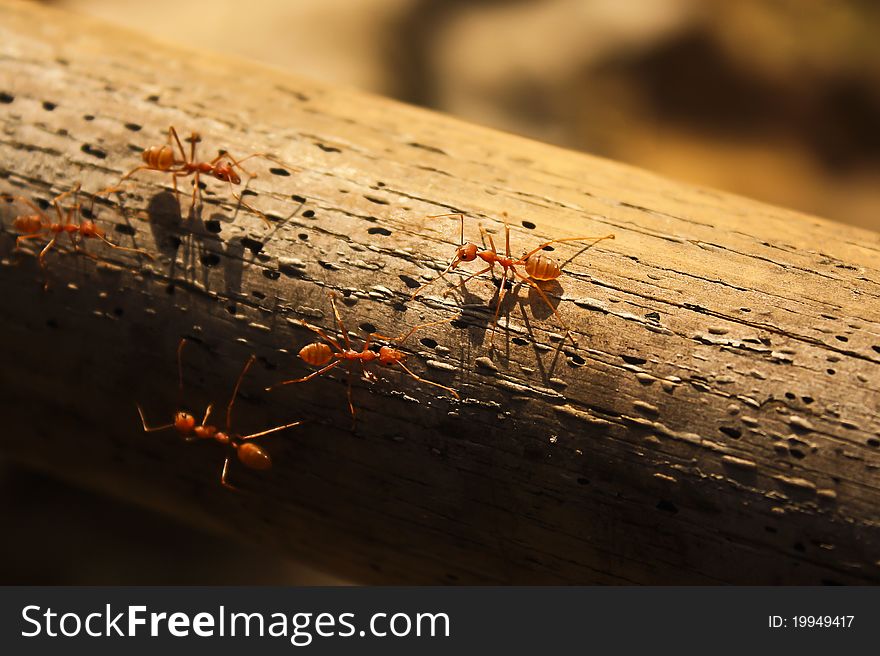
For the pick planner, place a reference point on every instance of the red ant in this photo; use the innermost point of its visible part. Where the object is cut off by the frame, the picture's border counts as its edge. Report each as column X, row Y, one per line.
column 38, row 224
column 250, row 454
column 318, row 354
column 223, row 167
column 538, row 266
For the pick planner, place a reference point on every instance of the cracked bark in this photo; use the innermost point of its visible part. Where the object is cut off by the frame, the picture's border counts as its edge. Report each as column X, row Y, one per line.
column 722, row 405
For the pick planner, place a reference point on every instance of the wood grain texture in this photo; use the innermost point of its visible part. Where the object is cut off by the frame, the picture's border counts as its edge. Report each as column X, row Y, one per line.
column 717, row 423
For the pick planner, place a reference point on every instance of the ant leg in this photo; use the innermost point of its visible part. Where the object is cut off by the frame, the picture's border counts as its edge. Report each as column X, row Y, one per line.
column 452, row 265
column 484, row 234
column 152, row 429
column 42, row 256
column 305, row 378
column 180, row 346
column 271, row 430
column 208, row 411
column 491, row 267
column 404, row 336
column 244, row 370
column 339, row 322
column 21, row 238
column 323, row 335
column 196, row 189
column 501, row 295
column 248, row 207
column 224, row 476
column 507, row 238
column 540, row 291
column 595, row 240
column 173, row 133
column 350, row 402
column 57, row 203
column 140, row 251
column 429, row 382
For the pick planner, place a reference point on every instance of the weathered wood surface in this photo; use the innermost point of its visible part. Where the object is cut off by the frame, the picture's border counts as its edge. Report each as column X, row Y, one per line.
column 718, row 422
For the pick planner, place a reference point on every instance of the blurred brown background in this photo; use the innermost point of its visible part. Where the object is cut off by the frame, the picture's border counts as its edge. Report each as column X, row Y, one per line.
column 774, row 99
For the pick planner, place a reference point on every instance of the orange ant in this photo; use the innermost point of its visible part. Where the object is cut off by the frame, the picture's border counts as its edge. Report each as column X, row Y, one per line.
column 250, row 454
column 318, row 354
column 38, row 224
column 223, row 167
column 538, row 267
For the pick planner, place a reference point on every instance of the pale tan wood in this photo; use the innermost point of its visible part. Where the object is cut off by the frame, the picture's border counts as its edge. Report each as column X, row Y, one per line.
column 718, row 422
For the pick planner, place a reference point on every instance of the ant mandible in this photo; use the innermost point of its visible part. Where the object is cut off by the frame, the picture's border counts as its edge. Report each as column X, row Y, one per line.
column 223, row 167
column 249, row 454
column 538, row 267
column 318, row 354
column 38, row 224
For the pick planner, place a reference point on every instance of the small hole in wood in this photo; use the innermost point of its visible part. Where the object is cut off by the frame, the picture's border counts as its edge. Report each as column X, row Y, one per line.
column 49, row 106
column 279, row 171
column 730, row 431
column 88, row 117
column 430, row 343
column 298, row 199
column 667, row 506
column 6, row 98
column 210, row 259
column 134, row 127
column 125, row 229
column 379, row 231
column 271, row 274
column 253, row 245
column 529, row 225
column 633, row 359
column 328, row 149
column 412, row 283
column 213, row 225
column 367, row 327
column 309, row 214
column 841, row 338
column 93, row 151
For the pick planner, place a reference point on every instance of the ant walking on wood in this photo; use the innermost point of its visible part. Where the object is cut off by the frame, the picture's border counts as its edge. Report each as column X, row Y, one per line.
column 318, row 354
column 249, row 454
column 538, row 267
column 39, row 224
column 223, row 167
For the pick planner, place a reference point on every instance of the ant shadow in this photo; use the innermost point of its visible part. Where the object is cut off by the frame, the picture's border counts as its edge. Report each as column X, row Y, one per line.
column 202, row 247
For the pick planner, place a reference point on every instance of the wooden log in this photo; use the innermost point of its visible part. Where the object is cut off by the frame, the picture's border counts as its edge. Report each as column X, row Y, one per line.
column 717, row 423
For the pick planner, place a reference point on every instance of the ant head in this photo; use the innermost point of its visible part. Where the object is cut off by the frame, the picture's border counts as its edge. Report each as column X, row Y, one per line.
column 388, row 355
column 466, row 252
column 184, row 423
column 27, row 224
column 89, row 229
column 226, row 173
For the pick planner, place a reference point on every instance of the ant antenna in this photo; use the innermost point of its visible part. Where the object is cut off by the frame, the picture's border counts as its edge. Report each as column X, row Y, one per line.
column 244, row 370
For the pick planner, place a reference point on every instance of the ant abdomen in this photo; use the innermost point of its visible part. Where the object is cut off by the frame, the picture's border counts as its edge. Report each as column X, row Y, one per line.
column 315, row 354
column 542, row 267
column 253, row 457
column 159, row 157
